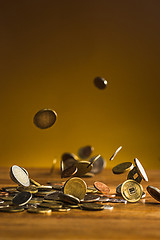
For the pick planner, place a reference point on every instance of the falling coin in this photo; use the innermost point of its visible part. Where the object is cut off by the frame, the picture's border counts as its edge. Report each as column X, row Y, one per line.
column 69, row 171
column 82, row 168
column 91, row 198
column 18, row 175
column 75, row 187
column 102, row 187
column 22, row 198
column 45, row 118
column 122, row 167
column 100, row 83
column 131, row 191
column 85, row 152
column 113, row 156
column 154, row 192
column 97, row 165
column 137, row 173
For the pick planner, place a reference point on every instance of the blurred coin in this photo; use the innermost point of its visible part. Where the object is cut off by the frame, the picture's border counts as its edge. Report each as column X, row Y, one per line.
column 39, row 210
column 118, row 189
column 117, row 200
column 71, row 206
column 10, row 189
column 68, row 198
column 93, row 160
column 4, row 194
column 92, row 206
column 88, row 175
column 44, row 188
column 52, row 196
column 122, row 167
column 8, row 198
column 101, row 187
column 108, row 207
column 51, row 205
column 64, row 209
column 141, row 170
column 69, row 171
column 58, row 187
column 154, row 192
column 68, row 160
column 35, row 200
column 45, row 118
column 34, row 182
column 100, row 83
column 25, row 170
column 31, row 189
column 82, row 168
column 53, row 165
column 85, row 152
column 143, row 195
column 98, row 165
column 12, row 209
column 75, row 187
column 65, row 156
column 18, row 175
column 113, row 156
column 91, row 198
column 22, row 198
column 131, row 191
column 42, row 194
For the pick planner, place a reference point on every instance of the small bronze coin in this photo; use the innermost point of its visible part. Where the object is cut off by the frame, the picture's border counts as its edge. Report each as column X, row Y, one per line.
column 98, row 165
column 45, row 118
column 122, row 167
column 22, row 198
column 69, row 171
column 31, row 189
column 100, row 83
column 102, row 187
column 154, row 192
column 92, row 206
column 68, row 198
column 91, row 198
column 141, row 170
column 39, row 210
column 52, row 196
column 12, row 209
column 85, row 152
column 131, row 191
column 76, row 187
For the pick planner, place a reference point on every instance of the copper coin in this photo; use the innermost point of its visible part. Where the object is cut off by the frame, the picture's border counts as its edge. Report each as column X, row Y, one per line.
column 101, row 187
column 100, row 83
column 45, row 118
column 69, row 171
column 154, row 192
column 85, row 151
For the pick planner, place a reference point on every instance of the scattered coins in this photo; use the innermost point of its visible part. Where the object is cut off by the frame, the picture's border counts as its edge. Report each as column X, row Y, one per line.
column 45, row 118
column 100, row 83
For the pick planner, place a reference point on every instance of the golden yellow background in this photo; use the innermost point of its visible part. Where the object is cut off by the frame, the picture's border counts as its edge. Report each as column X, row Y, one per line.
column 50, row 53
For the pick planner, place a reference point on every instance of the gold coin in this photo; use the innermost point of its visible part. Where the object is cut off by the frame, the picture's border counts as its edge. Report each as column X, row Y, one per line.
column 45, row 118
column 131, row 190
column 75, row 187
column 61, row 209
column 122, row 167
column 31, row 189
column 83, row 168
column 34, row 182
column 12, row 209
column 39, row 210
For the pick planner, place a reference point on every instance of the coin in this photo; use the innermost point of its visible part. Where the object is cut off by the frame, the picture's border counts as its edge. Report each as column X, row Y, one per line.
column 85, row 152
column 18, row 175
column 68, row 160
column 52, row 196
column 154, row 192
column 108, row 207
column 12, row 209
column 64, row 209
column 31, row 189
column 141, row 170
column 122, row 167
column 39, row 210
column 10, row 189
column 117, row 200
column 131, row 191
column 113, row 156
column 82, row 168
column 45, row 118
column 35, row 200
column 51, row 205
column 57, row 187
column 101, row 187
column 69, row 171
column 143, row 195
column 100, row 83
column 22, row 198
column 92, row 206
column 98, row 165
column 34, row 182
column 8, row 198
column 118, row 189
column 94, row 160
column 75, row 187
column 68, row 198
column 44, row 188
column 91, row 198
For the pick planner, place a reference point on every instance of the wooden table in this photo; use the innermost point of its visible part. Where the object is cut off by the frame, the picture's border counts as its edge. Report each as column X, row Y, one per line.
column 126, row 221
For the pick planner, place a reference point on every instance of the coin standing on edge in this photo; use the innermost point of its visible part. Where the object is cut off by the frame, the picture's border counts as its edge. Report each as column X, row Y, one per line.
column 45, row 118
column 19, row 176
column 76, row 187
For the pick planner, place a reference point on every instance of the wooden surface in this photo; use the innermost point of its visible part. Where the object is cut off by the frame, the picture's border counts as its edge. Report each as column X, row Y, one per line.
column 126, row 221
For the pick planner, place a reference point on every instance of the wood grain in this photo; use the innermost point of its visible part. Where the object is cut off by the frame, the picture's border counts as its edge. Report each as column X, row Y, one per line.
column 126, row 221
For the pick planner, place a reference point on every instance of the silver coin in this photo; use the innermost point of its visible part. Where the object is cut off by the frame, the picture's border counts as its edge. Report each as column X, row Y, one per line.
column 19, row 176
